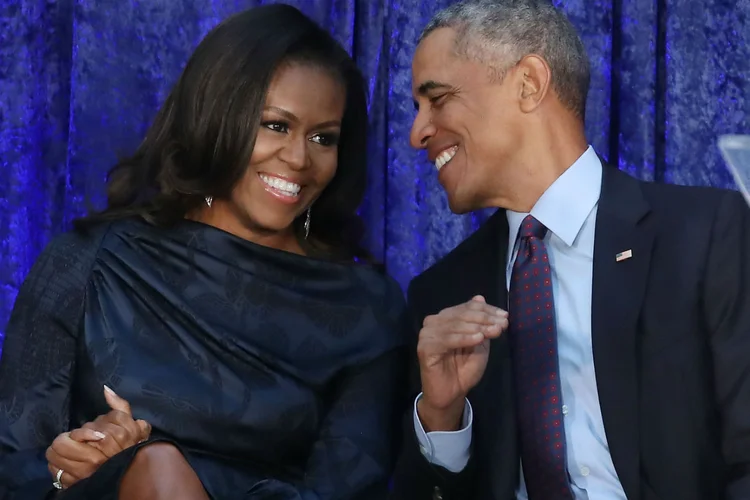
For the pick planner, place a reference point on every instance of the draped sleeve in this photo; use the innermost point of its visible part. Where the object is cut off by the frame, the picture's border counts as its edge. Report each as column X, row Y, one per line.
column 38, row 362
column 355, row 451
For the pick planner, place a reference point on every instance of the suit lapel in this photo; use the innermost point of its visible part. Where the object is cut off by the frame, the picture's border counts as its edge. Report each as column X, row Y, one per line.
column 485, row 266
column 474, row 268
column 622, row 227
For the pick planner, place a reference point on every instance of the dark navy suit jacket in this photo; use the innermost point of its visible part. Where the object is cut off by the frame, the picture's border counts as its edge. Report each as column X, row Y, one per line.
column 671, row 341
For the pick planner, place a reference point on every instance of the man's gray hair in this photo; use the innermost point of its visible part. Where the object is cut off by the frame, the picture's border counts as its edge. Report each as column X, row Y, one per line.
column 499, row 33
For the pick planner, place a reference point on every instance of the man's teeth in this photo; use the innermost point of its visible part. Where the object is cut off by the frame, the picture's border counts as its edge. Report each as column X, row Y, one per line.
column 445, row 157
column 286, row 187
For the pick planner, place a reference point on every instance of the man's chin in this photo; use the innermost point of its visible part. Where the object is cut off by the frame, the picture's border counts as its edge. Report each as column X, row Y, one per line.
column 459, row 206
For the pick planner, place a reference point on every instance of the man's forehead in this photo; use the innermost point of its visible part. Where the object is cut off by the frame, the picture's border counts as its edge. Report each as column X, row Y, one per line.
column 435, row 47
column 434, row 59
column 436, row 64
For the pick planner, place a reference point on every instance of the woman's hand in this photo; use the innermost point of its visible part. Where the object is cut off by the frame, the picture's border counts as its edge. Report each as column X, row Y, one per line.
column 80, row 452
column 119, row 428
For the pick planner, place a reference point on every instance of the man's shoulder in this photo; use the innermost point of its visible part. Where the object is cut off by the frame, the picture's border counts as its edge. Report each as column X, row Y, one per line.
column 666, row 201
column 677, row 193
column 688, row 203
column 449, row 267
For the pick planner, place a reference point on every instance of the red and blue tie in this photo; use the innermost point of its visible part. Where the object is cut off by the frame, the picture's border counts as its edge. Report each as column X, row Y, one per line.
column 533, row 337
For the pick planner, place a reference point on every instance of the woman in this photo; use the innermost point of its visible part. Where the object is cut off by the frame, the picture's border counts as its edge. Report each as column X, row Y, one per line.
column 222, row 295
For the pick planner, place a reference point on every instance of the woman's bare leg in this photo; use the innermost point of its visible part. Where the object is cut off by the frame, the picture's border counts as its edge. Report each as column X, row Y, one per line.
column 160, row 472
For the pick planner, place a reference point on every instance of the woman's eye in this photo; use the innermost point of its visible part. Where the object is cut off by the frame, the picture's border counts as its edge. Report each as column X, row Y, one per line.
column 280, row 127
column 325, row 139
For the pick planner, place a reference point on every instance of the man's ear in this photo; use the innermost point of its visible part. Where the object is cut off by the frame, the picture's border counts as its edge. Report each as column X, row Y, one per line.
column 534, row 81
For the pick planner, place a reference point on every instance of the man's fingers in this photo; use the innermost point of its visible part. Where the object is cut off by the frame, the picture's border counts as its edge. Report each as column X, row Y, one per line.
column 116, row 402
column 481, row 317
column 457, row 335
column 494, row 331
column 466, row 324
column 450, row 342
column 476, row 305
column 472, row 305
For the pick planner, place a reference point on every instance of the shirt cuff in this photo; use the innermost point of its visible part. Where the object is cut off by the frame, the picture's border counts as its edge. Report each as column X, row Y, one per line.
column 450, row 450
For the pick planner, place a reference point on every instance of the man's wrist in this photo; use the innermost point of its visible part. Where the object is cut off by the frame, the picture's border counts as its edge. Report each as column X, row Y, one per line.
column 446, row 419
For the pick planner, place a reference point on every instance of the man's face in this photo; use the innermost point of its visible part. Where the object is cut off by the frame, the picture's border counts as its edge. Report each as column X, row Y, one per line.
column 469, row 124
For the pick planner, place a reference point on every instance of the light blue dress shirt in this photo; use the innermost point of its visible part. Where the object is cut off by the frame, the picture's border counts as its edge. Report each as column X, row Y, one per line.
column 568, row 210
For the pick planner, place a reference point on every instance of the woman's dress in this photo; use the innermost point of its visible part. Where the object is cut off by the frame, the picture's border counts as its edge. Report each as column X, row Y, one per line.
column 277, row 375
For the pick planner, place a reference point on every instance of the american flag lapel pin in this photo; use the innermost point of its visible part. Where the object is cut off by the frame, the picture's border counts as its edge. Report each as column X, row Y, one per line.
column 623, row 255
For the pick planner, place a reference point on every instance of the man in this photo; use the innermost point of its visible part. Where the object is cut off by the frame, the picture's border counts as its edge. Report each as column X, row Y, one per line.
column 622, row 369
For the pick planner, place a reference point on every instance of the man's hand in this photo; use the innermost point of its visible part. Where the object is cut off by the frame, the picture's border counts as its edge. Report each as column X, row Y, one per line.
column 453, row 350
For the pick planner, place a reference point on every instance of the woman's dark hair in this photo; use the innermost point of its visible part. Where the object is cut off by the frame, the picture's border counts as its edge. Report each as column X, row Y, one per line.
column 202, row 138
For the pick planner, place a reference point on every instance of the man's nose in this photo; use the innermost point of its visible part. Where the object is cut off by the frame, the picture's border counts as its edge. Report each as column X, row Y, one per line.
column 421, row 130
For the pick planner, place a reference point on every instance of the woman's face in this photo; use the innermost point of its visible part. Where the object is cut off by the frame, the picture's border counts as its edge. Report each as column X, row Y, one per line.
column 295, row 155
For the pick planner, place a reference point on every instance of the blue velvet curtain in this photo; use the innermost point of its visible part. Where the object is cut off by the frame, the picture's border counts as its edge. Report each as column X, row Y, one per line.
column 81, row 79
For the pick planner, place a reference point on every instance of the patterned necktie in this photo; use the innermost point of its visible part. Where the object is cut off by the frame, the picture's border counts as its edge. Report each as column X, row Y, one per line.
column 533, row 337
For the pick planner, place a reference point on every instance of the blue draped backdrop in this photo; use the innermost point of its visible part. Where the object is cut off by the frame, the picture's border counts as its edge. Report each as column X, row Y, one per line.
column 80, row 81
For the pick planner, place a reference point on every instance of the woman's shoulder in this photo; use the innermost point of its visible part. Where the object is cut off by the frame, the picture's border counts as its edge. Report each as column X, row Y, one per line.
column 77, row 248
column 380, row 286
column 385, row 299
column 77, row 244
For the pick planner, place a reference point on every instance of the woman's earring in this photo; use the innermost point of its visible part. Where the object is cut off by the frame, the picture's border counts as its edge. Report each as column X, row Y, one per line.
column 209, row 200
column 307, row 223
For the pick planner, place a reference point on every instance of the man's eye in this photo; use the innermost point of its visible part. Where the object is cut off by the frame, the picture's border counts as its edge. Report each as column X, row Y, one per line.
column 437, row 100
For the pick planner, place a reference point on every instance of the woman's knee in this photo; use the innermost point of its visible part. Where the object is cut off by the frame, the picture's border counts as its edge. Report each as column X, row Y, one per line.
column 159, row 455
column 160, row 471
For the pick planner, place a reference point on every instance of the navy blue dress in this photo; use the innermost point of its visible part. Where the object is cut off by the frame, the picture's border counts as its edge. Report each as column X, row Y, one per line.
column 279, row 376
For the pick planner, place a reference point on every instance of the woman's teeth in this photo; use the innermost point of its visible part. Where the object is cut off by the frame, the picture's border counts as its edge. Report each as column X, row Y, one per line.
column 445, row 157
column 285, row 187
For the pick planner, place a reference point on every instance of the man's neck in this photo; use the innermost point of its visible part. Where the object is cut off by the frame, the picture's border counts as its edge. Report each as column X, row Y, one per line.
column 543, row 158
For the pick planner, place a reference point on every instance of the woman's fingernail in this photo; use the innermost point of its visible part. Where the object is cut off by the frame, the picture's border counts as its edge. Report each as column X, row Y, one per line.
column 99, row 435
column 106, row 388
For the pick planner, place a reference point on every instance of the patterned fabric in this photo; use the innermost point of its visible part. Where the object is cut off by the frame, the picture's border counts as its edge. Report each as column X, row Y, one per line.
column 534, row 341
column 276, row 373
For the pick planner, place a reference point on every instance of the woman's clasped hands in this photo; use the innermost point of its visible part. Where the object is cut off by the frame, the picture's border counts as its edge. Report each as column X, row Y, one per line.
column 80, row 452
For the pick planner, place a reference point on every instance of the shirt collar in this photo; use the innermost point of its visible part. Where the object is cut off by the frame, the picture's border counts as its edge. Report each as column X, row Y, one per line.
column 567, row 203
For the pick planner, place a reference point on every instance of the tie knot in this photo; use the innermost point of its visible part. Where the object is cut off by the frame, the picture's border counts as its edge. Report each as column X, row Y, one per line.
column 532, row 228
